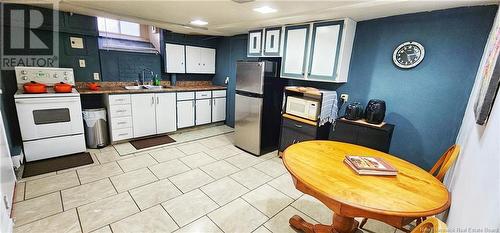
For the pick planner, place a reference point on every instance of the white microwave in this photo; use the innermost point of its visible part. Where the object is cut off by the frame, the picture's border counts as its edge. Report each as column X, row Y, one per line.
column 302, row 107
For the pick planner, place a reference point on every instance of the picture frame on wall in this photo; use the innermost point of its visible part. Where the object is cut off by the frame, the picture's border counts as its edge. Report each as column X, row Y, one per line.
column 490, row 75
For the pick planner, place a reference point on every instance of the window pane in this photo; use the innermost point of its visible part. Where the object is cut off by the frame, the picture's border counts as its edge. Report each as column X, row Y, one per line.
column 101, row 24
column 131, row 29
column 112, row 26
column 108, row 25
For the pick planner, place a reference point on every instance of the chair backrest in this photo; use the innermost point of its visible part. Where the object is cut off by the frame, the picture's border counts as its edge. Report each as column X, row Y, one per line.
column 444, row 163
column 430, row 225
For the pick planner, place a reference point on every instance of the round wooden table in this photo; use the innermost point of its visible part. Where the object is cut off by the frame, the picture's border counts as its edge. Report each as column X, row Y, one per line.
column 317, row 169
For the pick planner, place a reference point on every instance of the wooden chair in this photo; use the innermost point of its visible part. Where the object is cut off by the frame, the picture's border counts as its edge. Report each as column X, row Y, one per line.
column 444, row 163
column 431, row 225
column 438, row 170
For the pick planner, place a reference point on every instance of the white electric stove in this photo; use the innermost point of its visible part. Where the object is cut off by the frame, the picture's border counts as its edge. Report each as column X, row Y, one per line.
column 51, row 123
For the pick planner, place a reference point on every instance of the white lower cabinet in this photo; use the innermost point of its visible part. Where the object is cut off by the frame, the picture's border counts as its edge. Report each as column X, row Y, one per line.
column 143, row 114
column 203, row 111
column 185, row 113
column 218, row 109
column 153, row 113
column 166, row 112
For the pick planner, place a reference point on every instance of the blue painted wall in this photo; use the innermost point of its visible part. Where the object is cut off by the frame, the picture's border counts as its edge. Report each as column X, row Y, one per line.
column 128, row 66
column 426, row 103
column 229, row 50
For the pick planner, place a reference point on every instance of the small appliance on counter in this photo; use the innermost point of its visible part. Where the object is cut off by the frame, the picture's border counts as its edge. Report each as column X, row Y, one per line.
column 354, row 111
column 375, row 111
column 304, row 107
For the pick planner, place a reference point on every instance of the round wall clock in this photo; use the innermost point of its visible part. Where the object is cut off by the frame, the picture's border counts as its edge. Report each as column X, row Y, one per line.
column 408, row 55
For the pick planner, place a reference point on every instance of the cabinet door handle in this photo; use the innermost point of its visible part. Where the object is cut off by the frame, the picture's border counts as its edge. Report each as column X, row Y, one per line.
column 121, row 123
column 213, row 100
column 121, row 110
column 157, row 100
column 152, row 100
column 123, row 134
column 192, row 104
column 298, row 126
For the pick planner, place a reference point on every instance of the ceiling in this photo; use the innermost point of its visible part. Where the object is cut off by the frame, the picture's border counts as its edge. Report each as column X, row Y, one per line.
column 227, row 18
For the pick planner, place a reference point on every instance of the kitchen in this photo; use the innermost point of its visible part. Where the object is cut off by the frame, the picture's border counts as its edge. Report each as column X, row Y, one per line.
column 204, row 113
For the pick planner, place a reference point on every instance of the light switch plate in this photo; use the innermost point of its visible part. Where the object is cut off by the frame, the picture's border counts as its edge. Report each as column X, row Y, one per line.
column 96, row 76
column 76, row 42
column 82, row 63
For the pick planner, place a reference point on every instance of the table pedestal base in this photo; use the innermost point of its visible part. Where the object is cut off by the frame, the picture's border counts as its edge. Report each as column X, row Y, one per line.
column 341, row 224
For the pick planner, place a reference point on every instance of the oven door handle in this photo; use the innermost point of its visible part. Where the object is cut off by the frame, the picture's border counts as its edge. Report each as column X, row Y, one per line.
column 37, row 101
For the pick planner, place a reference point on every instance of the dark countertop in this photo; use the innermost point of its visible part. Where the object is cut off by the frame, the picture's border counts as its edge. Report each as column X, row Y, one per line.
column 122, row 90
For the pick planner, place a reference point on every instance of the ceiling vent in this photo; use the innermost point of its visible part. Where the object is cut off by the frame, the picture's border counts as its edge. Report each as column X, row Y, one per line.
column 243, row 1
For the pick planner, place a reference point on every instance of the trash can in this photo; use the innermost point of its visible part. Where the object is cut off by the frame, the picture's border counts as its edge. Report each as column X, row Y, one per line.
column 96, row 127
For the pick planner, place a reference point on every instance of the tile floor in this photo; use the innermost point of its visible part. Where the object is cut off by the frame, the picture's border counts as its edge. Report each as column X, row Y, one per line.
column 204, row 185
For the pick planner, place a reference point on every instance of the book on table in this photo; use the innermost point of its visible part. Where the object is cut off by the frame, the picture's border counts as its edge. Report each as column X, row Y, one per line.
column 367, row 165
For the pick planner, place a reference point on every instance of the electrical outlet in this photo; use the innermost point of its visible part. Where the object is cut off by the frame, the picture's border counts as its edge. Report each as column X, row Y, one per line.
column 345, row 97
column 226, row 81
column 82, row 63
column 96, row 76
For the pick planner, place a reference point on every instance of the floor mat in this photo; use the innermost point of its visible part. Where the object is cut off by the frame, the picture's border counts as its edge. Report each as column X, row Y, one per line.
column 150, row 142
column 56, row 164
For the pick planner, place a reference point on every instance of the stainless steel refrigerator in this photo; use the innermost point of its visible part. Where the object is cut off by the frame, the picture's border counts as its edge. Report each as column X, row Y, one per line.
column 259, row 94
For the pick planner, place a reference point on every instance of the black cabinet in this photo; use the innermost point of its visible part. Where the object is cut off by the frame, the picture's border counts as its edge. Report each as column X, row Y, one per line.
column 378, row 138
column 295, row 130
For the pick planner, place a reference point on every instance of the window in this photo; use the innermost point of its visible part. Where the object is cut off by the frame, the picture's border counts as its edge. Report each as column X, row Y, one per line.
column 117, row 28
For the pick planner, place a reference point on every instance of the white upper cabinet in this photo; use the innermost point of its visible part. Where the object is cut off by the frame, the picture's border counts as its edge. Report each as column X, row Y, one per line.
column 295, row 51
column 323, row 54
column 254, row 43
column 200, row 60
column 264, row 42
column 272, row 42
column 208, row 60
column 324, row 51
column 175, row 58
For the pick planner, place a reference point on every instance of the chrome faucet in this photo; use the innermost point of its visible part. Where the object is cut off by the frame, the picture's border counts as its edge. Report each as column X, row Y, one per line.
column 144, row 75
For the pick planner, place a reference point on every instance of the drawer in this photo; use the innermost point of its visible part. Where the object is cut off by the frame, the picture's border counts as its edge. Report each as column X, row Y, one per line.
column 219, row 93
column 300, row 127
column 119, row 99
column 203, row 95
column 122, row 134
column 185, row 95
column 121, row 122
column 120, row 110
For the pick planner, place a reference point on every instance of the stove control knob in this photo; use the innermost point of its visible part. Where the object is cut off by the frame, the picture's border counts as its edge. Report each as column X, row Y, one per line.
column 25, row 77
column 65, row 73
column 56, row 76
column 23, row 72
column 65, row 78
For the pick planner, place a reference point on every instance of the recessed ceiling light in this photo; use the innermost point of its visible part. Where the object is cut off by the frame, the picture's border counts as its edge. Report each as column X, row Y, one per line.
column 265, row 10
column 199, row 22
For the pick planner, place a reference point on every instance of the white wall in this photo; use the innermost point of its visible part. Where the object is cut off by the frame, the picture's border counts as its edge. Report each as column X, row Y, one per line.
column 474, row 182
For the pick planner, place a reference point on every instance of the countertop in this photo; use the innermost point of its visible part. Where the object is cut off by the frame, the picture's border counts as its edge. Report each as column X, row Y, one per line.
column 122, row 90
